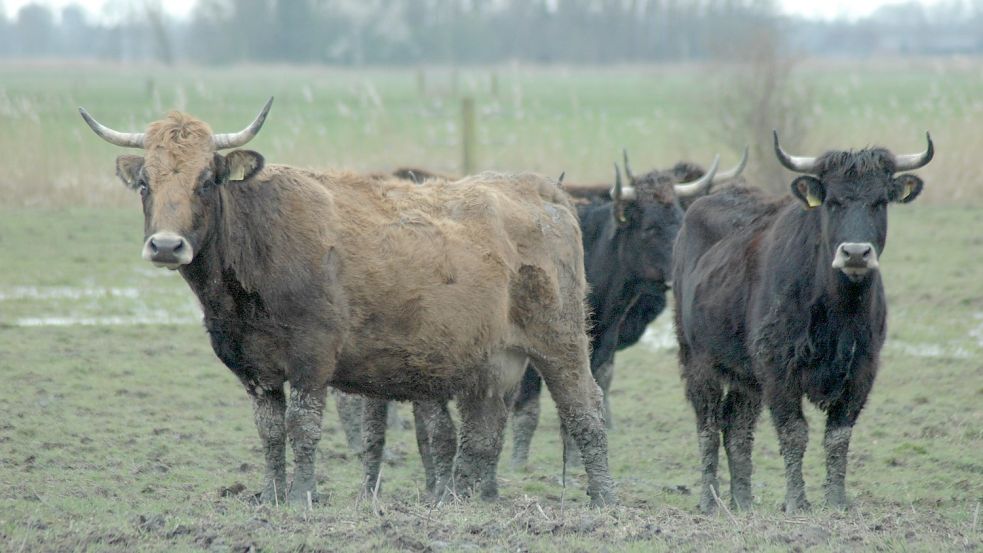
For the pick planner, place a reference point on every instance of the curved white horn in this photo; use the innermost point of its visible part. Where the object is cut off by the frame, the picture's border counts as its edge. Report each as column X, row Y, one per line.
column 794, row 163
column 124, row 139
column 631, row 177
column 701, row 185
column 733, row 173
column 910, row 162
column 224, row 141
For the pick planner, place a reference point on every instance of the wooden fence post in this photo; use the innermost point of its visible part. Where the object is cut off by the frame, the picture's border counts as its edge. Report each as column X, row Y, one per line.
column 467, row 135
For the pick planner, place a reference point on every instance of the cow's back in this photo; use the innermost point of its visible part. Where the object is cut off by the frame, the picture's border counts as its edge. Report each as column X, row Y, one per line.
column 440, row 276
column 714, row 270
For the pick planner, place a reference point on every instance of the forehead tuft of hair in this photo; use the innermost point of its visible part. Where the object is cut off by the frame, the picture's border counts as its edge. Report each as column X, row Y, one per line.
column 854, row 164
column 655, row 186
column 178, row 133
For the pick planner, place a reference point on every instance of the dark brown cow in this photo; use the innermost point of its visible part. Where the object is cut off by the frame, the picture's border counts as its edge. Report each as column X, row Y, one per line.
column 374, row 286
column 780, row 299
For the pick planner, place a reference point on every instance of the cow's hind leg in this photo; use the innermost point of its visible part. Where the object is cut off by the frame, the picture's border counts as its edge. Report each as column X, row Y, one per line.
column 705, row 394
column 436, row 427
column 525, row 416
column 578, row 400
column 793, row 436
column 269, row 407
column 483, row 417
column 738, row 418
column 374, row 415
column 303, row 420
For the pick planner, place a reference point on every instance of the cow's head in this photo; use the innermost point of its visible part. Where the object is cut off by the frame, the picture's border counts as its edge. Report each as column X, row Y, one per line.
column 851, row 190
column 649, row 211
column 179, row 177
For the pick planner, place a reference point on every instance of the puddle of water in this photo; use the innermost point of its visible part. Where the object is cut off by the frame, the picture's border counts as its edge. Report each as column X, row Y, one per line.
column 929, row 350
column 153, row 318
column 659, row 336
column 65, row 293
column 977, row 332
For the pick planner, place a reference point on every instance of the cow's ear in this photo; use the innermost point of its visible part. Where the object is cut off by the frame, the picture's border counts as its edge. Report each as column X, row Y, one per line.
column 809, row 190
column 128, row 170
column 242, row 165
column 905, row 188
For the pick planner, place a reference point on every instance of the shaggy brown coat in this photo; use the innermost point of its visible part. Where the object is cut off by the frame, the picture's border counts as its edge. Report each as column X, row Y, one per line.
column 378, row 287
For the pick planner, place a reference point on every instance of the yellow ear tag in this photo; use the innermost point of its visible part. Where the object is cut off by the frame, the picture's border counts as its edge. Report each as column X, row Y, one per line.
column 908, row 187
column 812, row 200
column 238, row 173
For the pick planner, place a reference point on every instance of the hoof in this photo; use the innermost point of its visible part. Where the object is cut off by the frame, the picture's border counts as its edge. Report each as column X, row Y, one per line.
column 603, row 499
column 796, row 507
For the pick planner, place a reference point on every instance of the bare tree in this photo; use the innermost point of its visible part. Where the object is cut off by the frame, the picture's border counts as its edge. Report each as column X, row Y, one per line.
column 755, row 95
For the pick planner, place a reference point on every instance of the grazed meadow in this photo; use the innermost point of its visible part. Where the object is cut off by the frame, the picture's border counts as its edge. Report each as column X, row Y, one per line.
column 119, row 430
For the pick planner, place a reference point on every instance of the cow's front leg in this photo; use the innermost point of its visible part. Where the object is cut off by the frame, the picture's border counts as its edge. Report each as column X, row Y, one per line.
column 840, row 418
column 374, row 415
column 269, row 406
column 349, row 408
column 303, row 422
column 793, row 436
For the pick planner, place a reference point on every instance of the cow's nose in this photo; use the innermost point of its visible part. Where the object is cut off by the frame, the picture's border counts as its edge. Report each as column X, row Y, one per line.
column 855, row 258
column 168, row 250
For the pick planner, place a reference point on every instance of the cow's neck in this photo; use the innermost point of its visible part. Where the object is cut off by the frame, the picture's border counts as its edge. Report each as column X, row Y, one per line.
column 210, row 276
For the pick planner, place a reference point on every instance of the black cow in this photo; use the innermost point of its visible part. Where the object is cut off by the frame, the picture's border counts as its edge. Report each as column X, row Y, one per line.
column 776, row 300
column 628, row 235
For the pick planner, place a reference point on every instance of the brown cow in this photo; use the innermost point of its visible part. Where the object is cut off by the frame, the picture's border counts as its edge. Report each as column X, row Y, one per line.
column 378, row 287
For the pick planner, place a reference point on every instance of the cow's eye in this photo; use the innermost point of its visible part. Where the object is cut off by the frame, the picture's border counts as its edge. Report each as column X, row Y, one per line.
column 142, row 187
column 206, row 185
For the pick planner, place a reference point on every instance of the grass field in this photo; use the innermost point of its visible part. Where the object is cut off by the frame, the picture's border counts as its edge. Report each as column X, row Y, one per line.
column 120, row 430
column 542, row 119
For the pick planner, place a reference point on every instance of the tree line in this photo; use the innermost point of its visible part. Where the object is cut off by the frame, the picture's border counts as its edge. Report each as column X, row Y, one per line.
column 403, row 32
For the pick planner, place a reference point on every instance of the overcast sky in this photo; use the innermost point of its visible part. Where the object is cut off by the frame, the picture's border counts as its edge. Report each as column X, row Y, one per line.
column 826, row 9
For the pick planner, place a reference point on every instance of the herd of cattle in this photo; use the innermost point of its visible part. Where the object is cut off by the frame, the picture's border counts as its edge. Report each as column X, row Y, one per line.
column 418, row 287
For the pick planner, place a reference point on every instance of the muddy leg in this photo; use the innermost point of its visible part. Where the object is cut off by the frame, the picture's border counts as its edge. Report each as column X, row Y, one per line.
column 423, row 446
column 268, row 410
column 373, row 440
column 578, row 400
column 349, row 408
column 442, row 439
column 705, row 394
column 525, row 416
column 793, row 436
column 836, row 442
column 738, row 418
column 303, row 419
column 482, row 429
column 604, row 375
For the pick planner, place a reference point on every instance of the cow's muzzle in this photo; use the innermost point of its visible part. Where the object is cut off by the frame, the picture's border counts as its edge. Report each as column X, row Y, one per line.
column 167, row 249
column 855, row 259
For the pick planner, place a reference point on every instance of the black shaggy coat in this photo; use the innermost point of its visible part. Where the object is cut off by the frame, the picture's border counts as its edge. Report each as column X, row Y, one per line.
column 762, row 317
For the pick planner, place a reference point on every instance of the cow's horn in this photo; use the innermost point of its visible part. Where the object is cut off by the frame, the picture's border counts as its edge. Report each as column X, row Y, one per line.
column 124, row 139
column 701, row 185
column 631, row 177
column 234, row 140
column 794, row 163
column 733, row 173
column 910, row 162
column 621, row 193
